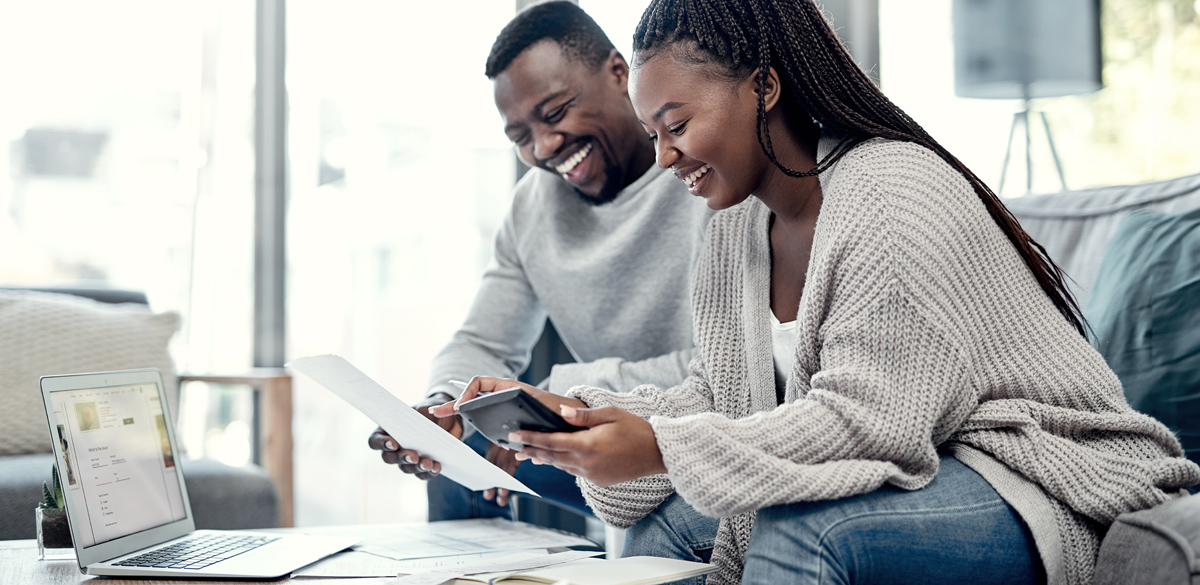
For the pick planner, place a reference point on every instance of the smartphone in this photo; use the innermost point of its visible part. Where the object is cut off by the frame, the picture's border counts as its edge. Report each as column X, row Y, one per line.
column 497, row 414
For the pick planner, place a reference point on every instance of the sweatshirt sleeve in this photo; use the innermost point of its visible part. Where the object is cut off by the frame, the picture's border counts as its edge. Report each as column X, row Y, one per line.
column 502, row 326
column 621, row 375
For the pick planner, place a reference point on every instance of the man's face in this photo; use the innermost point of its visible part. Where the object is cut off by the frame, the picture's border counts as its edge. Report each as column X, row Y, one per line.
column 572, row 120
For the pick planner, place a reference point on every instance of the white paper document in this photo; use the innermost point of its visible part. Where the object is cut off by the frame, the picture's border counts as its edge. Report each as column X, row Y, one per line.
column 411, row 429
column 459, row 537
column 360, row 564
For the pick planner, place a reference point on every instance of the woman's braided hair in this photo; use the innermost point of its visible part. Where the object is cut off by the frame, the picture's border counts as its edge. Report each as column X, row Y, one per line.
column 823, row 83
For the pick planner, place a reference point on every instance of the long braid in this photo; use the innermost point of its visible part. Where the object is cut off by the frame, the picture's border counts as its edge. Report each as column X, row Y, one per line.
column 824, row 83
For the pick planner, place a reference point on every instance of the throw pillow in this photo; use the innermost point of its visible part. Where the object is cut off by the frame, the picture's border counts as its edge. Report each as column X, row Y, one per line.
column 1145, row 310
column 46, row 333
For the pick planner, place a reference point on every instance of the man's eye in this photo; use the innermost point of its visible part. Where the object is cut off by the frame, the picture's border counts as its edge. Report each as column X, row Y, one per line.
column 520, row 140
column 556, row 116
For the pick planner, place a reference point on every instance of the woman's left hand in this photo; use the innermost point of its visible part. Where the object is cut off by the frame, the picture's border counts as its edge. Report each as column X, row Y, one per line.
column 617, row 446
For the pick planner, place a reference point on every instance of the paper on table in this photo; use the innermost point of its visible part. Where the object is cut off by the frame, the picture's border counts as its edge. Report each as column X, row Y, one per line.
column 412, row 430
column 457, row 537
column 362, row 564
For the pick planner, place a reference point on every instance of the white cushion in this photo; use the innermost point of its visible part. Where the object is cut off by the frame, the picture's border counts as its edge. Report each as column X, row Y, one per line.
column 46, row 333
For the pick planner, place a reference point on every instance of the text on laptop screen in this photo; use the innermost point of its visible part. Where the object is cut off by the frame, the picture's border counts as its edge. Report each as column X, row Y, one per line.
column 120, row 469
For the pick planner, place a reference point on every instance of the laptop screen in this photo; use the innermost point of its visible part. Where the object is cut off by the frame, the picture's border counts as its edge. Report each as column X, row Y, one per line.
column 120, row 470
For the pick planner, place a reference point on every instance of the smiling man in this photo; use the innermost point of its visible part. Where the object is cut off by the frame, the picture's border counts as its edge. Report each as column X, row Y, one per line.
column 598, row 240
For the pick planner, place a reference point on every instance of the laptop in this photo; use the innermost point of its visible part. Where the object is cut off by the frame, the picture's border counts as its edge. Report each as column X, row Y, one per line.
column 127, row 503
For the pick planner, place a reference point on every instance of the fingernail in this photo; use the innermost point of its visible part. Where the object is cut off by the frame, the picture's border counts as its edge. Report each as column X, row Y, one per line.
column 391, row 445
column 514, row 437
column 423, row 468
column 408, row 459
column 567, row 410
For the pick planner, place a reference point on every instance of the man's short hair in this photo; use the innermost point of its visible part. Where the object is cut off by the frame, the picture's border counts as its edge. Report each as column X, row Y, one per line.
column 562, row 22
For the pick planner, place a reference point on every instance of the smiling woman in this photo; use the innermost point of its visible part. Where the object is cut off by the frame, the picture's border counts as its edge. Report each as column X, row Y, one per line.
column 936, row 405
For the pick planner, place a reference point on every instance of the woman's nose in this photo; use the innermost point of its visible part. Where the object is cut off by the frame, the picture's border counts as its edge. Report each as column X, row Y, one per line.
column 665, row 155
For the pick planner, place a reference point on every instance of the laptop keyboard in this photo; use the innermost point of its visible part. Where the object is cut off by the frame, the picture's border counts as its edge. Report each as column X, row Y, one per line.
column 197, row 553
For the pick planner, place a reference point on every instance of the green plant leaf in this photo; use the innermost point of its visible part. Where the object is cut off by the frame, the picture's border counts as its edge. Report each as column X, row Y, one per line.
column 58, row 493
column 47, row 497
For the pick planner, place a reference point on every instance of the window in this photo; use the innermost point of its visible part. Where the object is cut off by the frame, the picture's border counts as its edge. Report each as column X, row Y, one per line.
column 400, row 175
column 127, row 159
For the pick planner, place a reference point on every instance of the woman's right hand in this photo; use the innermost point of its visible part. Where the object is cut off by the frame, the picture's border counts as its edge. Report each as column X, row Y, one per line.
column 482, row 384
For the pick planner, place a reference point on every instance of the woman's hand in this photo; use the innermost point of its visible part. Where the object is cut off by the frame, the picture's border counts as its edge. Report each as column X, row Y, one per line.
column 482, row 384
column 617, row 446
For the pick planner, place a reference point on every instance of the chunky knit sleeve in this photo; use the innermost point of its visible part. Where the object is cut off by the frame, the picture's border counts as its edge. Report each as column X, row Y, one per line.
column 891, row 382
column 623, row 504
column 883, row 383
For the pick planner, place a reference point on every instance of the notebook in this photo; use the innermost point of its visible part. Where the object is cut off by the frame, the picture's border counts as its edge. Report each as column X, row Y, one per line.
column 127, row 503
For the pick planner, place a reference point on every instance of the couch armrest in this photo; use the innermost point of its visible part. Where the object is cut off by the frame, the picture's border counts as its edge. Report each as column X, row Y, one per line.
column 273, row 426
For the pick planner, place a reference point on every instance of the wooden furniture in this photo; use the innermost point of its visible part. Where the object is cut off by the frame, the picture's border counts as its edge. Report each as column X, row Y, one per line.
column 273, row 426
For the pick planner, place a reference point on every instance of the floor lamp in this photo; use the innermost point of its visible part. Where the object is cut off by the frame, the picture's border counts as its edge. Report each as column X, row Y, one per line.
column 1026, row 49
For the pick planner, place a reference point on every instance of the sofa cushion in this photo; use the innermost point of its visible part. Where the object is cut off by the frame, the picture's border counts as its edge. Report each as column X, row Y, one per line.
column 1145, row 311
column 1153, row 547
column 1075, row 226
column 46, row 333
column 222, row 497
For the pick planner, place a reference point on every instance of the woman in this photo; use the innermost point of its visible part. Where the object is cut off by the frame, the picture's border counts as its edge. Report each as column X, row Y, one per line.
column 939, row 415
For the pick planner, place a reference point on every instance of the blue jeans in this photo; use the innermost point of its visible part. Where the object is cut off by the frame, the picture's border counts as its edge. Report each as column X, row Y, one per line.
column 673, row 530
column 450, row 501
column 957, row 529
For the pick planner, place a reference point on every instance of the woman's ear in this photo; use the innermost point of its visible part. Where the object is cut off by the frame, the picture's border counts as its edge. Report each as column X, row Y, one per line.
column 769, row 87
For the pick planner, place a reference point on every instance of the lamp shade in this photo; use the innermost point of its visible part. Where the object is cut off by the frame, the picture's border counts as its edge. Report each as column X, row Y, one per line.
column 1008, row 49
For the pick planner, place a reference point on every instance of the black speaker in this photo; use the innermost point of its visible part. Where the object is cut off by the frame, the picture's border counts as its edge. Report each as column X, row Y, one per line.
column 1012, row 49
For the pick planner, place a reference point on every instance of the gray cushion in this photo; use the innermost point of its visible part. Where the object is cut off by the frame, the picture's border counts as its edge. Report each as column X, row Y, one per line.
column 47, row 333
column 1075, row 226
column 1153, row 547
column 1145, row 311
column 222, row 497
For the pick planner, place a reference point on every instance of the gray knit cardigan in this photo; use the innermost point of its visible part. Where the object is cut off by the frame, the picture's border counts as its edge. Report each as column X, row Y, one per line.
column 919, row 327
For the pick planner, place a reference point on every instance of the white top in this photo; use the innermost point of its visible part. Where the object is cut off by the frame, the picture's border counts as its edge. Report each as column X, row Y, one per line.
column 783, row 350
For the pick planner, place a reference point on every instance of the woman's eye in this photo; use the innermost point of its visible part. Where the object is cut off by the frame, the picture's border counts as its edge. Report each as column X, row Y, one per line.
column 678, row 128
column 653, row 137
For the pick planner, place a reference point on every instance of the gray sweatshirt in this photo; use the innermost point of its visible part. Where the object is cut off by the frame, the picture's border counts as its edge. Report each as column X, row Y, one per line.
column 614, row 279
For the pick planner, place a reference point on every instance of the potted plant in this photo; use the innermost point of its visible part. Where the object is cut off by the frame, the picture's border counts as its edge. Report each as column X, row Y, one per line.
column 54, row 534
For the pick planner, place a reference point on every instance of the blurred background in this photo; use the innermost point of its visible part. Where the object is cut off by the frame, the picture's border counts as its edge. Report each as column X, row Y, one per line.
column 128, row 160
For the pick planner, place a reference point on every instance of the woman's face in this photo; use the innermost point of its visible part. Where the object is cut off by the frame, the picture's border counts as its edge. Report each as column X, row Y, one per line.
column 702, row 126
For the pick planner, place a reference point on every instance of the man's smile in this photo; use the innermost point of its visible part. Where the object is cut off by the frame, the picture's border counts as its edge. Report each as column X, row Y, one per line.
column 569, row 164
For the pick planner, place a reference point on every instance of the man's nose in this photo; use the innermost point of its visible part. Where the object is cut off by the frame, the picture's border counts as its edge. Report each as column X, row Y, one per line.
column 546, row 145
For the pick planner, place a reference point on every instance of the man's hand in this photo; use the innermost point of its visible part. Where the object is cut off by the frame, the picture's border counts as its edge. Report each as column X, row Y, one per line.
column 410, row 461
column 617, row 446
column 505, row 459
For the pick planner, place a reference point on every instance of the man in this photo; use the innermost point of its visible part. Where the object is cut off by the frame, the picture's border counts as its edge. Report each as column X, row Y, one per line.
column 598, row 239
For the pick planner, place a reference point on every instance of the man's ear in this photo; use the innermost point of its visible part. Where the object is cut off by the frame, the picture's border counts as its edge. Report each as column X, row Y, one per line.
column 618, row 68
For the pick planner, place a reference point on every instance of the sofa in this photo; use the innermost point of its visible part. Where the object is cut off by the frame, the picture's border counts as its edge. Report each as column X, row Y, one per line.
column 1159, row 545
column 75, row 330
